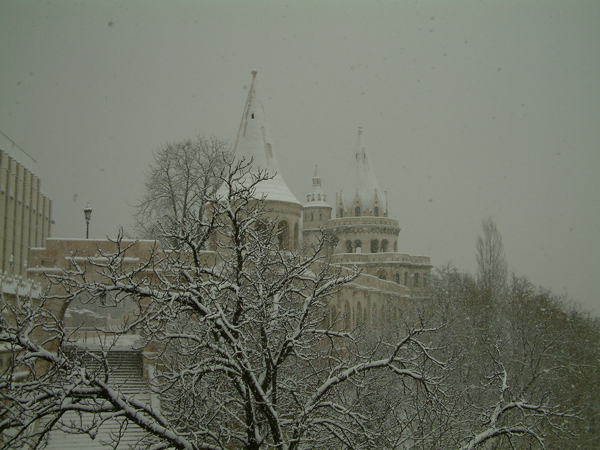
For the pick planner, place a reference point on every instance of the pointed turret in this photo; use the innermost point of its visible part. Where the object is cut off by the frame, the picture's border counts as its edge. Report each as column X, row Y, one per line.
column 361, row 195
column 316, row 214
column 254, row 143
column 316, row 197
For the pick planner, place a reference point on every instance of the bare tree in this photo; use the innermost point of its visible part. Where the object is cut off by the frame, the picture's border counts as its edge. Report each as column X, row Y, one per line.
column 492, row 270
column 181, row 177
column 244, row 355
column 519, row 377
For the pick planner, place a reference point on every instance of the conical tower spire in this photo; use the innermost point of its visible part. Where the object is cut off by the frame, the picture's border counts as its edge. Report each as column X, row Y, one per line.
column 361, row 189
column 316, row 197
column 254, row 143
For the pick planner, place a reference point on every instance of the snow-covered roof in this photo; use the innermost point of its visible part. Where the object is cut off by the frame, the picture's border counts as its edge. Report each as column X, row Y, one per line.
column 361, row 180
column 254, row 143
column 317, row 197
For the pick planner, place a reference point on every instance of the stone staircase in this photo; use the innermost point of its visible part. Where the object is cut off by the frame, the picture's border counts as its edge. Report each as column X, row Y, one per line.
column 126, row 367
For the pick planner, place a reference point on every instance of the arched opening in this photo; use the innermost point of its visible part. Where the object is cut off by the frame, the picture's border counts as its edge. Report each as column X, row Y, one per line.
column 416, row 280
column 347, row 316
column 382, row 274
column 341, row 212
column 358, row 246
column 395, row 246
column 374, row 317
column 348, row 246
column 296, row 236
column 357, row 211
column 376, row 211
column 312, row 217
column 283, row 235
column 333, row 315
column 384, row 246
column 374, row 245
column 397, row 278
column 406, row 279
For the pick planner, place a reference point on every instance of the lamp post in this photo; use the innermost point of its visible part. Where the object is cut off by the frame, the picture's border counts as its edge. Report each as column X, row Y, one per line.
column 88, row 215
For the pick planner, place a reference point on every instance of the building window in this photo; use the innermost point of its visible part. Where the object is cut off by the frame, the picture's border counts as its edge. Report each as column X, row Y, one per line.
column 406, row 279
column 312, row 217
column 341, row 212
column 381, row 274
column 397, row 278
column 416, row 280
column 348, row 246
column 347, row 316
column 357, row 211
column 374, row 245
column 395, row 246
column 283, row 234
column 384, row 246
column 376, row 211
column 253, row 115
column 357, row 246
column 321, row 216
column 296, row 236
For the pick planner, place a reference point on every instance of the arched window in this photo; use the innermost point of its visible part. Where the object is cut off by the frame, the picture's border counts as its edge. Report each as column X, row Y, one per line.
column 382, row 274
column 348, row 246
column 341, row 212
column 347, row 316
column 384, row 246
column 374, row 317
column 333, row 315
column 376, row 211
column 312, row 217
column 320, row 216
column 397, row 278
column 283, row 234
column 296, row 236
column 374, row 245
column 358, row 245
column 395, row 246
column 357, row 211
column 406, row 279
column 416, row 282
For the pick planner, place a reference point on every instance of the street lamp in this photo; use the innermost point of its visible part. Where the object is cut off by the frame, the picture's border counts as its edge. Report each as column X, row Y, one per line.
column 88, row 215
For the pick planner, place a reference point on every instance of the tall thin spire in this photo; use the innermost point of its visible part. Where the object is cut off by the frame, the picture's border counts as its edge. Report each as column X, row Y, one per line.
column 254, row 143
column 361, row 184
column 316, row 197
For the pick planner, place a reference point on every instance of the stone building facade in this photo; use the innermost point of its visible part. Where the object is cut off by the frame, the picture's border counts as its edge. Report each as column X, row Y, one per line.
column 362, row 235
column 25, row 212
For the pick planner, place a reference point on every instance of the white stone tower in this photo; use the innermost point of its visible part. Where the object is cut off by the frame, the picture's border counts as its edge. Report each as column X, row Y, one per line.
column 361, row 195
column 317, row 213
column 254, row 144
column 362, row 224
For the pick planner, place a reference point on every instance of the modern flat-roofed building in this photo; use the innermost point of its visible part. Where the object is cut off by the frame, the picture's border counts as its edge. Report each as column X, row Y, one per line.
column 25, row 213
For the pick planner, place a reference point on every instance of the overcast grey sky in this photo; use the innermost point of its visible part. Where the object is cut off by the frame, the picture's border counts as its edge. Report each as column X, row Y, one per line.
column 469, row 109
